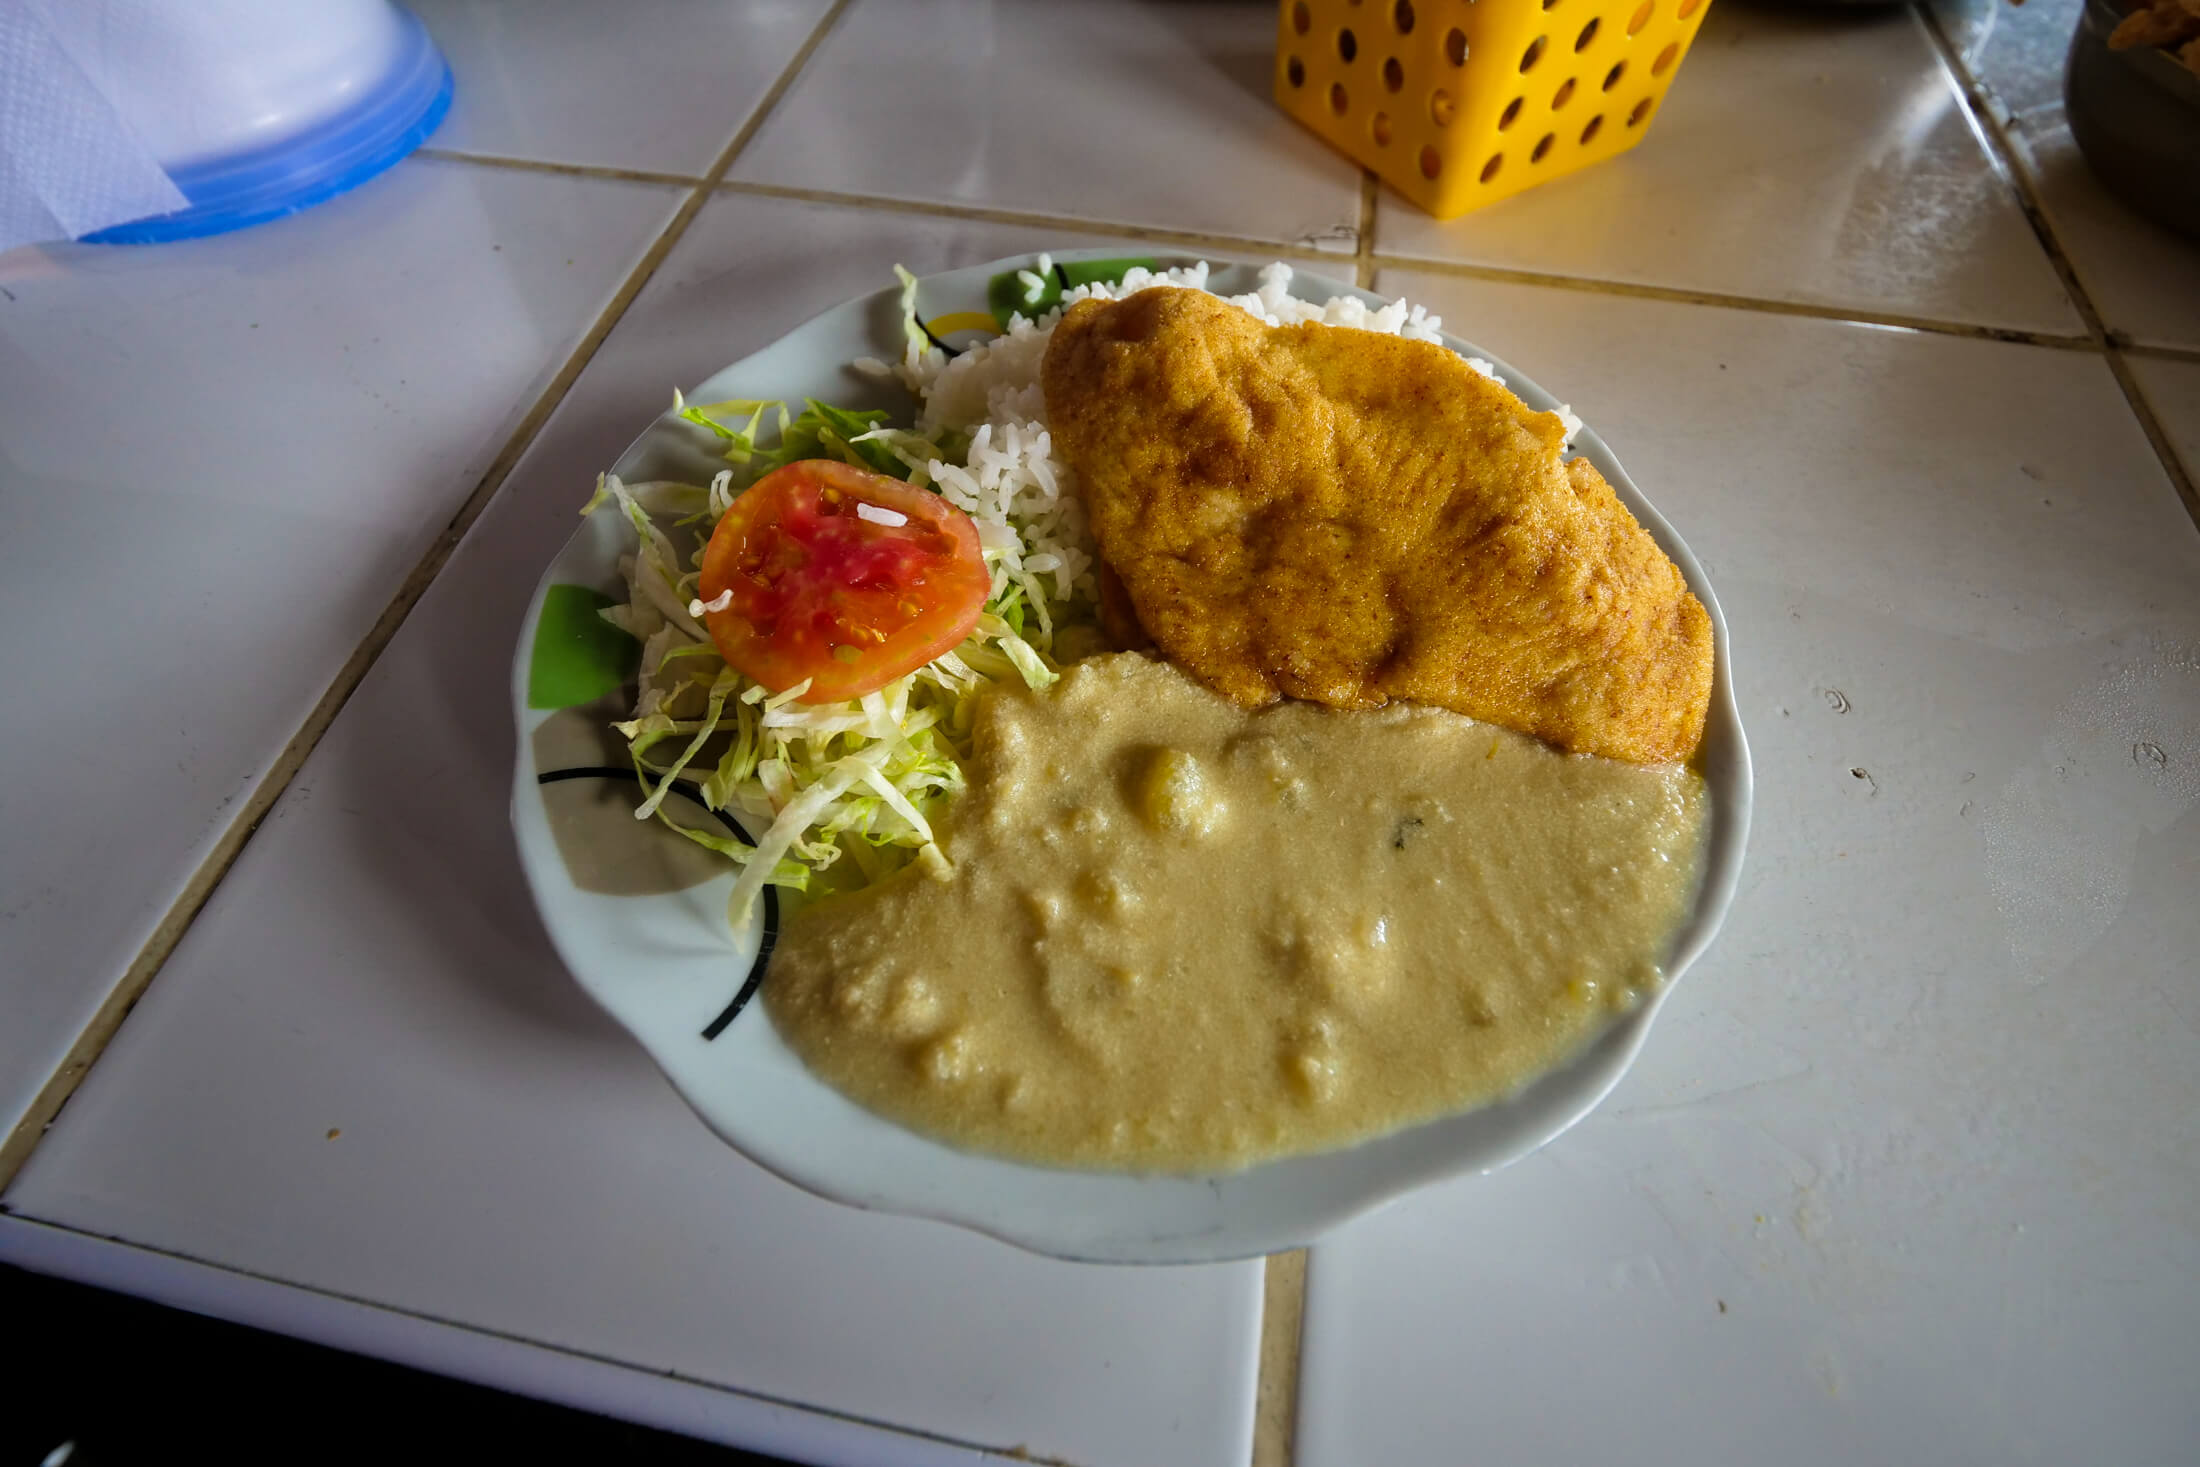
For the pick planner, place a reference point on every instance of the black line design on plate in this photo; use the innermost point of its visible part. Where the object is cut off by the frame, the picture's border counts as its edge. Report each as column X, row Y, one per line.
column 1061, row 277
column 764, row 945
column 926, row 328
column 768, row 940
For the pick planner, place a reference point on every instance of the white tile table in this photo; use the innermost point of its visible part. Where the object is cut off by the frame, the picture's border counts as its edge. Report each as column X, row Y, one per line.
column 222, row 459
column 1150, row 115
column 1820, row 157
column 1909, row 1168
column 651, row 85
column 2173, row 389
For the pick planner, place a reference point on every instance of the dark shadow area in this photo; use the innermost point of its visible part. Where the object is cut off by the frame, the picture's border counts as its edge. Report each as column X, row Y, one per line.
column 130, row 1382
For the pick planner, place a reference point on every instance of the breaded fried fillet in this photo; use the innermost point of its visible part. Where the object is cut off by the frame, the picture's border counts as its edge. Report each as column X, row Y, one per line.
column 1337, row 515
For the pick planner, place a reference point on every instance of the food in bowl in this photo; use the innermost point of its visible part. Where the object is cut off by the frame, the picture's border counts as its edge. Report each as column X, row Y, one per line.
column 1077, row 908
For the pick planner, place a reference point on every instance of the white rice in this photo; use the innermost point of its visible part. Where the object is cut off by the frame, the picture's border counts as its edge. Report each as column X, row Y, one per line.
column 1022, row 498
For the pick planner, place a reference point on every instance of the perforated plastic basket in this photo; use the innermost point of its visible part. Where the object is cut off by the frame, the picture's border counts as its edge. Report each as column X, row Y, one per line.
column 1460, row 103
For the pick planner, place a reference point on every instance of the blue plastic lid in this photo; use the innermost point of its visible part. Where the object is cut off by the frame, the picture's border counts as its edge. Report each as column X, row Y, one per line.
column 325, row 160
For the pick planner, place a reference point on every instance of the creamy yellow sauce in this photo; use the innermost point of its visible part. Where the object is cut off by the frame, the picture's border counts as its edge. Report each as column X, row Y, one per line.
column 1180, row 936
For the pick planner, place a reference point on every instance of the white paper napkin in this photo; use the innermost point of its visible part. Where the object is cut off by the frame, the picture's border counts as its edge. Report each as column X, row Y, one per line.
column 70, row 164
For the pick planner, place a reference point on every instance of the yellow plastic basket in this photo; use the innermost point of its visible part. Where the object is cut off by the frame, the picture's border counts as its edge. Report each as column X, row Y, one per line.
column 1460, row 103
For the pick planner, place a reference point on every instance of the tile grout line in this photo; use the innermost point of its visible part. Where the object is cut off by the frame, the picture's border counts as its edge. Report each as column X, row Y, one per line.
column 2002, row 148
column 1363, row 254
column 2181, row 479
column 1276, row 1392
column 1376, row 259
column 1366, row 259
column 975, row 213
column 2162, row 353
column 1843, row 315
column 199, row 888
column 563, row 170
column 1994, row 142
column 1028, row 219
column 1246, row 245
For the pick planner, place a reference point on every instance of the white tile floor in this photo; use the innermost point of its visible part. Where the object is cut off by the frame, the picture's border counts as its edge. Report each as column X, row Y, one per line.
column 1154, row 115
column 656, row 85
column 2015, row 51
column 190, row 564
column 1888, row 1124
column 1820, row 157
column 2173, row 389
column 2139, row 276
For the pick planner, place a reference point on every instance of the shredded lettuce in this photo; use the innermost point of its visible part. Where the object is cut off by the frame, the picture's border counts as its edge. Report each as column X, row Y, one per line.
column 820, row 430
column 740, row 442
column 861, row 779
column 916, row 341
column 1029, row 665
column 841, row 793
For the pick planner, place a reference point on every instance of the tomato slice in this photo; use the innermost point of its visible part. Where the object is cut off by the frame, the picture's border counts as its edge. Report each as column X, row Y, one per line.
column 824, row 591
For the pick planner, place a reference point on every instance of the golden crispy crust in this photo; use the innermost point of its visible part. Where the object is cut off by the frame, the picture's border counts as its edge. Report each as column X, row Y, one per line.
column 1118, row 618
column 2172, row 25
column 1347, row 517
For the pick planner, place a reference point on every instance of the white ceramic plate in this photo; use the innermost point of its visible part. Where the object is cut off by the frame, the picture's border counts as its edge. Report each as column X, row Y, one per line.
column 666, row 966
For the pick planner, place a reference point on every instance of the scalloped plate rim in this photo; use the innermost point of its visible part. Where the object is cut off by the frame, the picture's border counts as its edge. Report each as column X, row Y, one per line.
column 1266, row 1208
